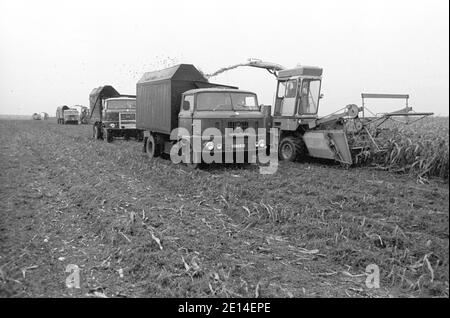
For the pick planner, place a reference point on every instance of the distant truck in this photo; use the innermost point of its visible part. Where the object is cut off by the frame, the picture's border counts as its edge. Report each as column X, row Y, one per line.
column 36, row 116
column 112, row 114
column 84, row 113
column 176, row 97
column 44, row 116
column 66, row 115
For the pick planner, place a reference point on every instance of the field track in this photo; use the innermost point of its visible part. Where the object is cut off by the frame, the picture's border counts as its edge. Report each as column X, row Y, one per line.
column 137, row 228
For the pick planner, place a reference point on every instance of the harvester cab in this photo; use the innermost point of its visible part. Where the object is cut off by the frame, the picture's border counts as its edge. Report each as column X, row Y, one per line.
column 295, row 114
column 297, row 97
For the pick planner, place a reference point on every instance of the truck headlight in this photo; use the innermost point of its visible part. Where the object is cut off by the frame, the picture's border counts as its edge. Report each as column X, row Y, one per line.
column 261, row 143
column 209, row 145
column 219, row 146
column 112, row 125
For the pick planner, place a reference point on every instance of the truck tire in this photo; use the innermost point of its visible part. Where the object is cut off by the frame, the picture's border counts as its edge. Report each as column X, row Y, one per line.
column 107, row 135
column 152, row 149
column 191, row 165
column 96, row 132
column 292, row 148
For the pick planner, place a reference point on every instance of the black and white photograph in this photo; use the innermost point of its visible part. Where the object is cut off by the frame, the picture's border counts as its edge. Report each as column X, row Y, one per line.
column 224, row 156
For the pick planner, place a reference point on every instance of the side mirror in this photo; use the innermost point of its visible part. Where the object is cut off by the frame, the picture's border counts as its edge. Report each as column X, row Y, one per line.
column 321, row 96
column 186, row 105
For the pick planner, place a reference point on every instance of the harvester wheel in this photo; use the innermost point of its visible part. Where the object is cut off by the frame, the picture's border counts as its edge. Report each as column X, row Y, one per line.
column 292, row 148
column 152, row 148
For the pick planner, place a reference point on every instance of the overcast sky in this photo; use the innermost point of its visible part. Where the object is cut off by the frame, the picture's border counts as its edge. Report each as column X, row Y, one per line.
column 54, row 52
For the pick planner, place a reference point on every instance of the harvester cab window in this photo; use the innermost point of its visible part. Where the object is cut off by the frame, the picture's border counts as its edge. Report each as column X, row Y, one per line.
column 288, row 103
column 291, row 88
column 281, row 89
column 308, row 96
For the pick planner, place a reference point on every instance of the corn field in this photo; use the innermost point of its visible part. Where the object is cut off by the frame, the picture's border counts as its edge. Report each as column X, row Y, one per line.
column 420, row 148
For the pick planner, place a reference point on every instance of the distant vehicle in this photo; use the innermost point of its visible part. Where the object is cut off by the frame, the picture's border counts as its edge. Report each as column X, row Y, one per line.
column 36, row 116
column 44, row 116
column 66, row 115
column 84, row 113
column 113, row 114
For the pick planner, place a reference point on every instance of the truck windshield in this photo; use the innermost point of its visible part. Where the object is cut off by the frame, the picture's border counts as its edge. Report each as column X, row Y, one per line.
column 71, row 112
column 226, row 101
column 117, row 104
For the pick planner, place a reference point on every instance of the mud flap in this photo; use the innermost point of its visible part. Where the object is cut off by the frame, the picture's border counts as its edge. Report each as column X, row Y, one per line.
column 328, row 144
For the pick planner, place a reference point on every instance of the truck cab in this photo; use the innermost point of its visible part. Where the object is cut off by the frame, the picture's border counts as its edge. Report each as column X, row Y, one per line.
column 231, row 111
column 119, row 118
column 113, row 114
column 119, row 112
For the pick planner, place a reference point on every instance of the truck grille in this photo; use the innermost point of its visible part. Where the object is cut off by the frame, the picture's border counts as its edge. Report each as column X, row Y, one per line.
column 126, row 116
column 234, row 124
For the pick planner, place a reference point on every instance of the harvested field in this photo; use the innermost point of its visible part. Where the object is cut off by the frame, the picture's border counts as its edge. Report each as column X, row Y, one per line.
column 154, row 229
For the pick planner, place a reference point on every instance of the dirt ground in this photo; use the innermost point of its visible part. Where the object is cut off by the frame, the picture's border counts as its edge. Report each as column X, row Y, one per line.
column 137, row 228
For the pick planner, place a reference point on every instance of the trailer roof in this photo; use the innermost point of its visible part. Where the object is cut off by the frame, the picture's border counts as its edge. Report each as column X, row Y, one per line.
column 106, row 90
column 123, row 97
column 181, row 72
column 217, row 89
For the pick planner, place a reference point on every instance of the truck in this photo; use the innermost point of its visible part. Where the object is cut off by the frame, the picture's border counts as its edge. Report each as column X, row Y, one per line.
column 113, row 114
column 180, row 97
column 67, row 115
column 36, row 116
column 84, row 113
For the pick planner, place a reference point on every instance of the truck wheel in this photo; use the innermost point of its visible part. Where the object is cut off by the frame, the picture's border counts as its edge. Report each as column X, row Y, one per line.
column 292, row 148
column 152, row 148
column 107, row 135
column 96, row 132
column 190, row 165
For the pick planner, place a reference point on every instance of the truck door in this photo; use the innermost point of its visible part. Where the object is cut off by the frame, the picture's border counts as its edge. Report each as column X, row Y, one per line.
column 186, row 111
